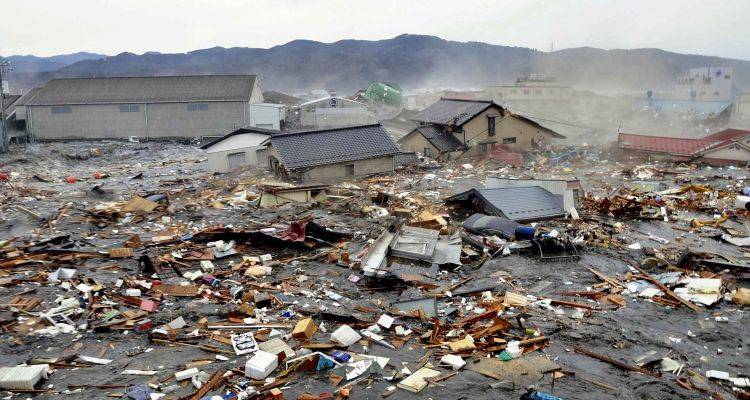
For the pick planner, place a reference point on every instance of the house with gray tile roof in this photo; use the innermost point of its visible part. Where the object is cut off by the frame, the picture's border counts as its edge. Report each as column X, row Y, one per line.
column 520, row 204
column 327, row 154
column 147, row 107
column 452, row 128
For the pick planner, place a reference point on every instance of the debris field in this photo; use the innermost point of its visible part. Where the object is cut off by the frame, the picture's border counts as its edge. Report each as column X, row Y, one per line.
column 129, row 271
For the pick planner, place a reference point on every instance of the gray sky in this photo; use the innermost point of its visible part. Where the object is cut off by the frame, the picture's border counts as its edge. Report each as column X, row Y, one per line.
column 49, row 27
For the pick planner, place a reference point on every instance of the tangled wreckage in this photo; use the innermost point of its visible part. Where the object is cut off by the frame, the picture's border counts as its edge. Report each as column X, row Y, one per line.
column 145, row 277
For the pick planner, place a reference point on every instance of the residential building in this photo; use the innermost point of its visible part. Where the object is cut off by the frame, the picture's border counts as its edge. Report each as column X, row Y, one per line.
column 472, row 128
column 334, row 111
column 238, row 148
column 729, row 146
column 146, row 107
column 332, row 153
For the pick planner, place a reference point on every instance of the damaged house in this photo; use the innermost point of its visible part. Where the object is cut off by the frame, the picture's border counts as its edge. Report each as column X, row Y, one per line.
column 520, row 204
column 237, row 149
column 332, row 153
column 729, row 146
column 452, row 128
column 570, row 189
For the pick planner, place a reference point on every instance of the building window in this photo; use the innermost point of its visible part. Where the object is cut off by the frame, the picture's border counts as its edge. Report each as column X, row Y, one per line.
column 552, row 92
column 427, row 152
column 526, row 92
column 197, row 107
column 537, row 92
column 61, row 110
column 513, row 91
column 716, row 94
column 482, row 147
column 349, row 169
column 727, row 77
column 509, row 140
column 491, row 126
column 130, row 108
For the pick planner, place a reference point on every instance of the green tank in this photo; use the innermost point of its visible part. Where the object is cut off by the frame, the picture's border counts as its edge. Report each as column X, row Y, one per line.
column 384, row 92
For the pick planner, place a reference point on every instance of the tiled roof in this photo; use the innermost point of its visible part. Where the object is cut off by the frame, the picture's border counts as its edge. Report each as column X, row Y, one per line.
column 662, row 144
column 518, row 203
column 152, row 89
column 330, row 146
column 452, row 111
column 444, row 142
column 728, row 134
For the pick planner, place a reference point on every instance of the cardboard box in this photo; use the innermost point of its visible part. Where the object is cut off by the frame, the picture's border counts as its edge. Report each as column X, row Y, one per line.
column 305, row 329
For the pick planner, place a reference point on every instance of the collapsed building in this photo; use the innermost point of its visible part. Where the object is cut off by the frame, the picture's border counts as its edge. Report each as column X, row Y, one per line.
column 729, row 146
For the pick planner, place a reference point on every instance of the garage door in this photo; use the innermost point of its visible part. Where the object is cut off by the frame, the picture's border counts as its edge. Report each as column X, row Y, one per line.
column 236, row 160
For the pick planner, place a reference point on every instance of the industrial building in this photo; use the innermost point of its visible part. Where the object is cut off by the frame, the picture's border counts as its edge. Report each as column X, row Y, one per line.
column 333, row 112
column 145, row 107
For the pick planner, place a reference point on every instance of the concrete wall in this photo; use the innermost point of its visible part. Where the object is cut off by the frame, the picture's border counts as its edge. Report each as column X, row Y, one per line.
column 151, row 121
column 322, row 114
column 335, row 117
column 219, row 161
column 743, row 105
column 266, row 116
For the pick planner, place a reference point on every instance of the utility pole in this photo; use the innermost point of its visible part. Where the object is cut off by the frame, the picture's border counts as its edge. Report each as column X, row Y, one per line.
column 4, row 68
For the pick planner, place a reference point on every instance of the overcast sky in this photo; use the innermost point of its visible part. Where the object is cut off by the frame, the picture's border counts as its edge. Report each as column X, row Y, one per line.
column 49, row 27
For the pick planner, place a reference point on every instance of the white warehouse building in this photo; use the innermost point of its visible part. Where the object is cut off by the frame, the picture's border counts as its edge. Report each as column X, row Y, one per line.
column 146, row 107
column 332, row 112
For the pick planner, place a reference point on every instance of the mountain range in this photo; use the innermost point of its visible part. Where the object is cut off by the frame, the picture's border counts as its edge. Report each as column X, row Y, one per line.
column 413, row 61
